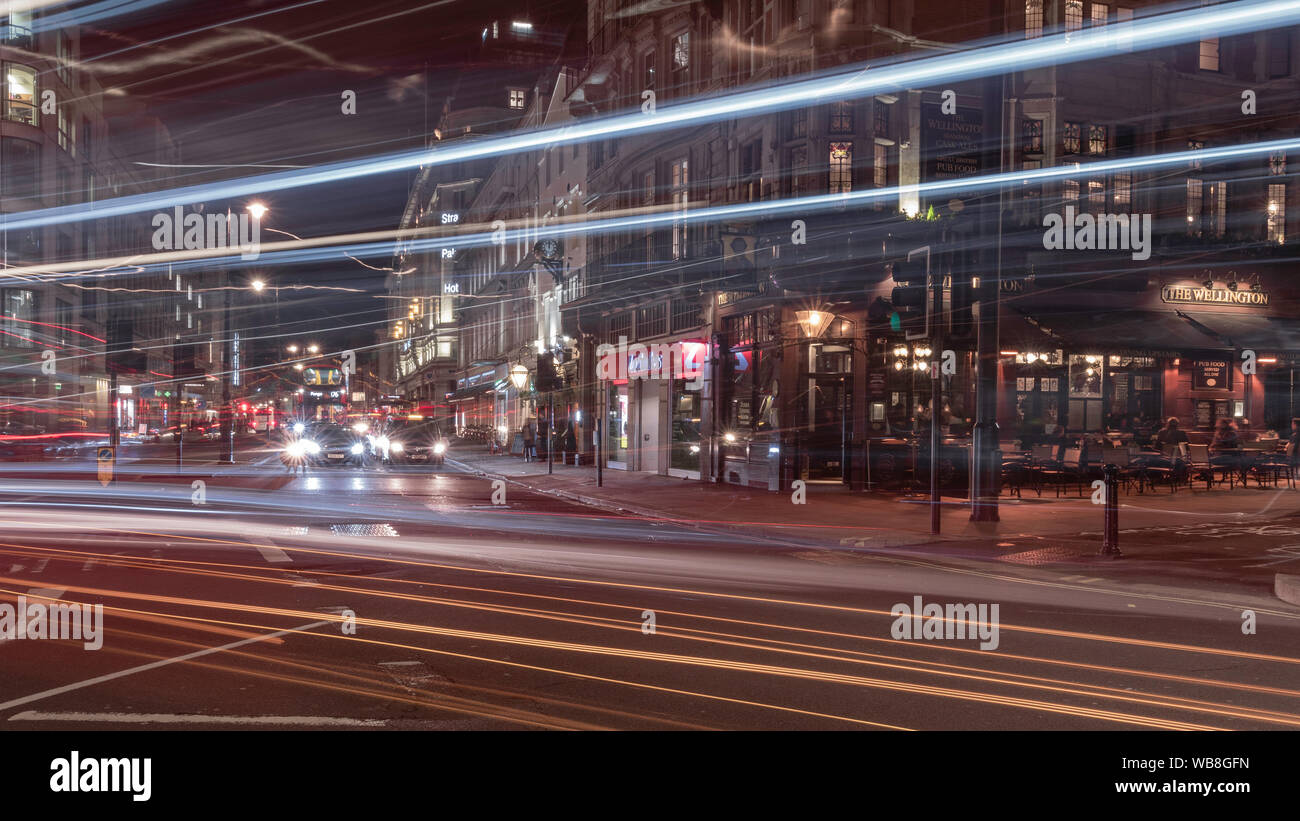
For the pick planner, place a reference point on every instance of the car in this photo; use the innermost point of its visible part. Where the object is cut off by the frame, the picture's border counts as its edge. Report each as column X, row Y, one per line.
column 412, row 443
column 337, row 445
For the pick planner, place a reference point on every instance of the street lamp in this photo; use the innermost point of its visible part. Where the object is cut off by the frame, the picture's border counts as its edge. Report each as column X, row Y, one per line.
column 258, row 285
column 257, row 209
column 519, row 377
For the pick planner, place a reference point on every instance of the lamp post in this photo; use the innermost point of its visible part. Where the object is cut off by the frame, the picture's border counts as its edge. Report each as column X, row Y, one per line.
column 257, row 210
column 519, row 378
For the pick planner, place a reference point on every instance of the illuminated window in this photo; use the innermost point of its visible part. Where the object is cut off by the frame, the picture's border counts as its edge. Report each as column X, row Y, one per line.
column 1209, row 57
column 648, row 69
column 841, row 163
column 1276, row 225
column 1073, row 17
column 1096, row 196
column 1217, row 214
column 679, row 178
column 1033, row 131
column 1195, row 145
column 880, row 166
column 1122, row 190
column 1277, row 164
column 681, row 59
column 1070, row 190
column 20, row 94
column 1097, row 139
column 1033, row 19
column 1100, row 14
column 517, row 96
column 1070, row 139
column 1195, row 201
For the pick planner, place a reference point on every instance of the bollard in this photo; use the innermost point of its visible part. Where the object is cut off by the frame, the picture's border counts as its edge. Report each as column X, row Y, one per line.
column 1110, row 528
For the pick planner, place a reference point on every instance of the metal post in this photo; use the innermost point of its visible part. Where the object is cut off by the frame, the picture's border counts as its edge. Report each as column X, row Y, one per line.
column 114, row 435
column 600, row 454
column 227, row 418
column 935, row 404
column 1110, row 528
column 550, row 433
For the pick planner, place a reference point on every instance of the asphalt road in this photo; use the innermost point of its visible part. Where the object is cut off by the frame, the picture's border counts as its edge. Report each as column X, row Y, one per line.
column 405, row 598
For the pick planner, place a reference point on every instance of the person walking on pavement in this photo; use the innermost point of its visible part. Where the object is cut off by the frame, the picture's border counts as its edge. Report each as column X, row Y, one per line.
column 530, row 441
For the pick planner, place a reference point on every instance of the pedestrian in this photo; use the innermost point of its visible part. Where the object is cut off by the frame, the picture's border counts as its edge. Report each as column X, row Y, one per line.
column 530, row 441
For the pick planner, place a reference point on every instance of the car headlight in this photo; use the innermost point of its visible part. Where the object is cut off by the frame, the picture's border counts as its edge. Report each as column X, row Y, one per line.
column 396, row 447
column 361, row 427
column 295, row 449
column 357, row 450
column 299, row 427
column 311, row 446
column 383, row 442
column 439, row 448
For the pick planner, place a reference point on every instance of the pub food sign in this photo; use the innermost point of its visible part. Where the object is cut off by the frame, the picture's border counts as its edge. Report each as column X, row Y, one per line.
column 1211, row 373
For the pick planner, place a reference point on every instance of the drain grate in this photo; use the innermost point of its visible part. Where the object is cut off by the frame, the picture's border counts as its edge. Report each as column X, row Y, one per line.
column 361, row 529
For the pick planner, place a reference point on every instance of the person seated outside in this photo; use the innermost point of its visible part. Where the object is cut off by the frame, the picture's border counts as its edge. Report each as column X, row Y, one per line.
column 1225, row 448
column 1171, row 434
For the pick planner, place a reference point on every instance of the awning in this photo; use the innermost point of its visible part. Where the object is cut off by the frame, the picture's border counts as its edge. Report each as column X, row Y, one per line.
column 472, row 392
column 1260, row 333
column 1094, row 330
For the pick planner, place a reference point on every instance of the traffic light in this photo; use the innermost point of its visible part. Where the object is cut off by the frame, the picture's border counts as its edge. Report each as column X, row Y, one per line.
column 910, row 299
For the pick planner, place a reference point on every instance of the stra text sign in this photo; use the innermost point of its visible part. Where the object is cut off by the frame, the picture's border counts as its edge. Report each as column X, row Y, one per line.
column 1197, row 295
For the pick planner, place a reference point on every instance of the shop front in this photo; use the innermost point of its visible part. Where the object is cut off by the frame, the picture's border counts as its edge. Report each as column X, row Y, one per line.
column 1203, row 349
column 654, row 404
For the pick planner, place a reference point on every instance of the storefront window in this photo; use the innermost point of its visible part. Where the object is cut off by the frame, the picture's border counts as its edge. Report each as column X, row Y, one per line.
column 1085, row 392
column 19, row 311
column 20, row 93
column 616, row 448
column 686, row 426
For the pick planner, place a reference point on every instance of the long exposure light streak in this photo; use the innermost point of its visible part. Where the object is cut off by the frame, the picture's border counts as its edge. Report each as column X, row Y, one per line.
column 1142, row 33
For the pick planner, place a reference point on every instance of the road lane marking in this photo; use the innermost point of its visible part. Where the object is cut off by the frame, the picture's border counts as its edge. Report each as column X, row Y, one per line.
column 179, row 718
column 153, row 665
column 51, row 593
column 271, row 553
column 40, row 565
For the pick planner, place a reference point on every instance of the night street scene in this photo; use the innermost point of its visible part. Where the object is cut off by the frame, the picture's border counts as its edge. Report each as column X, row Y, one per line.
column 378, row 369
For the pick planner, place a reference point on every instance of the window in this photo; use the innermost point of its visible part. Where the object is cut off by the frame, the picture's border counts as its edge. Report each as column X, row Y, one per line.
column 1195, row 145
column 1124, row 18
column 517, row 96
column 1276, row 222
column 1122, row 190
column 1097, row 196
column 1031, row 190
column 19, row 312
column 1097, row 139
column 1033, row 19
column 1070, row 190
column 1279, row 53
column 1073, row 17
column 22, row 162
column 1277, row 164
column 652, row 321
column 841, row 168
column 67, row 139
column 680, row 181
column 17, row 29
column 798, row 123
column 1100, row 14
column 20, row 94
column 798, row 166
column 686, row 314
column 1209, row 56
column 882, row 117
column 751, row 171
column 681, row 57
column 648, row 69
column 1216, row 217
column 880, row 167
column 842, row 117
column 1070, row 140
column 1195, row 204
column 85, row 139
column 65, row 59
column 1033, row 136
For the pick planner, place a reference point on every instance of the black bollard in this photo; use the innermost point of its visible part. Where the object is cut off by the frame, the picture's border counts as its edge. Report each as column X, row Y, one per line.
column 1110, row 528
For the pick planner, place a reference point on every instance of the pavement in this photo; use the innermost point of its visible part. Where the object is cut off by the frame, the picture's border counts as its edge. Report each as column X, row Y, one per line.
column 1235, row 542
